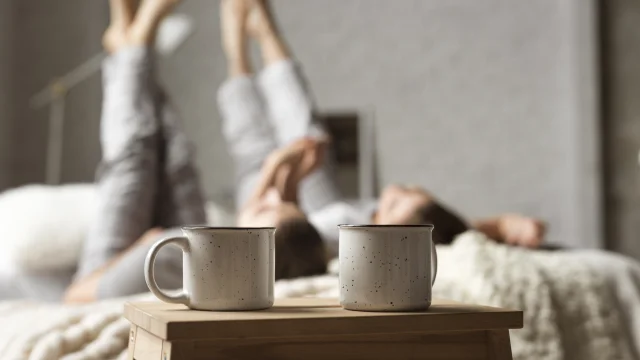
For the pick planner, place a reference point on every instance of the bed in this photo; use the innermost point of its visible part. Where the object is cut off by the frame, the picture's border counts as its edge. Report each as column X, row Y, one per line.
column 582, row 304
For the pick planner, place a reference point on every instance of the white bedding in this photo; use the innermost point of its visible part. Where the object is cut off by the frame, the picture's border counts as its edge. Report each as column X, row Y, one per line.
column 42, row 227
column 578, row 305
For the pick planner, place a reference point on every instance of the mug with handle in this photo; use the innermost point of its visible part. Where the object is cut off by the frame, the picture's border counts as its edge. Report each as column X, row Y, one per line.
column 224, row 269
column 386, row 267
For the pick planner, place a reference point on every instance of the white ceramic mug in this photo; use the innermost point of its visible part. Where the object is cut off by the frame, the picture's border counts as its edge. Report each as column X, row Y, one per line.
column 386, row 267
column 224, row 269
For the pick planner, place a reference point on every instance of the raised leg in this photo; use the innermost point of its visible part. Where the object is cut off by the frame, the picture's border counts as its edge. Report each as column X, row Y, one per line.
column 245, row 126
column 181, row 199
column 130, row 173
column 127, row 179
column 290, row 105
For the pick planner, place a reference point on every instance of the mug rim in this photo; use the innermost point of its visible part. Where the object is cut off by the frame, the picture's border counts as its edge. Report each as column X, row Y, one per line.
column 352, row 226
column 205, row 227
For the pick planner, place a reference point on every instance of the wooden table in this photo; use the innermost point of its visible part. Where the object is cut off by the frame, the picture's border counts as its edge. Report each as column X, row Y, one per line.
column 320, row 329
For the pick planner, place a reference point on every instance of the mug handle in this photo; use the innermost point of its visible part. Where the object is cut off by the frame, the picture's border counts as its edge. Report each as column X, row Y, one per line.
column 434, row 262
column 149, row 274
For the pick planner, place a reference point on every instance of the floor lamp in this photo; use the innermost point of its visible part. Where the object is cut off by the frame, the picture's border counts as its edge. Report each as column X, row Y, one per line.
column 173, row 31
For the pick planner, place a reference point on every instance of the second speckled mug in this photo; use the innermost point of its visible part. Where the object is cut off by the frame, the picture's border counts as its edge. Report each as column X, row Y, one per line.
column 386, row 267
column 224, row 269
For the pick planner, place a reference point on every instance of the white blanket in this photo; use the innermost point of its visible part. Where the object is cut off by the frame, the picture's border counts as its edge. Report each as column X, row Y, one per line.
column 578, row 305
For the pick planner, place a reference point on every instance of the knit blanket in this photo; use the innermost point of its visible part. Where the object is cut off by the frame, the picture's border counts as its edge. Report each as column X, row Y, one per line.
column 577, row 305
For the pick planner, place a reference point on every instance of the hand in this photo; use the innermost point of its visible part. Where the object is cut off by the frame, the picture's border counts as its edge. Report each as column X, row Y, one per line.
column 302, row 157
column 521, row 230
column 285, row 168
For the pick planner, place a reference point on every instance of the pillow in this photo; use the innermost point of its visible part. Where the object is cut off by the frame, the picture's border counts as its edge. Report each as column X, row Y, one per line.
column 42, row 227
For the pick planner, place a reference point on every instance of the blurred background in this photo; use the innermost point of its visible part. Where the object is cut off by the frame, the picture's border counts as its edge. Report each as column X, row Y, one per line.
column 493, row 105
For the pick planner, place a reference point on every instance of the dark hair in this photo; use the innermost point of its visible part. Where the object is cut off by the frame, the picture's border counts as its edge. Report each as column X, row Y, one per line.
column 300, row 250
column 447, row 224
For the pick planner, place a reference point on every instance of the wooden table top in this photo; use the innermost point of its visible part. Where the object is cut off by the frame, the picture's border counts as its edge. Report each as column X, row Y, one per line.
column 312, row 316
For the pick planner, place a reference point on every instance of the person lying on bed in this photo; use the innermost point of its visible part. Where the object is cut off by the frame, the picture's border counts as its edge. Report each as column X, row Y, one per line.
column 273, row 110
column 148, row 185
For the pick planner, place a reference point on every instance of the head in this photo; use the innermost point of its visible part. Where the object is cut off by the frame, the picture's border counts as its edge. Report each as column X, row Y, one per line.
column 269, row 210
column 299, row 247
column 410, row 205
column 300, row 250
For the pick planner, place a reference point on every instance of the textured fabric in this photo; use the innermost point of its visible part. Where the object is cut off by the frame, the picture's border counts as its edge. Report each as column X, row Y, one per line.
column 146, row 179
column 571, row 301
column 574, row 304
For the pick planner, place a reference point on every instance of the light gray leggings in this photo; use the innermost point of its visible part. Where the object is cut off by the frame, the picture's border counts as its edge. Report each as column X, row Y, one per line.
column 147, row 178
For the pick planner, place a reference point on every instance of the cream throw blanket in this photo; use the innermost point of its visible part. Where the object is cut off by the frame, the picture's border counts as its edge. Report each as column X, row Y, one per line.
column 578, row 305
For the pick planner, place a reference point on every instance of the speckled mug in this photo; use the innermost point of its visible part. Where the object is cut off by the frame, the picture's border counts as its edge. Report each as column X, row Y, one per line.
column 386, row 267
column 224, row 269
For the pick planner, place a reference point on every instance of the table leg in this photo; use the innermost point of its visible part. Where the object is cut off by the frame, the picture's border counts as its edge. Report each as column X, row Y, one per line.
column 132, row 341
column 498, row 345
column 145, row 346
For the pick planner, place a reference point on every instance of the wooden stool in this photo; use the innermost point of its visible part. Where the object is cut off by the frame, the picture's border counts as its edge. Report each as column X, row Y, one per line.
column 320, row 329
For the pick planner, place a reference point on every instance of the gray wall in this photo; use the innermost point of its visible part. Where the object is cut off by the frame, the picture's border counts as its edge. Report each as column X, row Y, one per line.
column 51, row 38
column 621, row 70
column 476, row 100
column 6, row 60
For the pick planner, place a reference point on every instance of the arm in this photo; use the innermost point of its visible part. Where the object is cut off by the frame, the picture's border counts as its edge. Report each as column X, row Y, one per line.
column 286, row 167
column 513, row 229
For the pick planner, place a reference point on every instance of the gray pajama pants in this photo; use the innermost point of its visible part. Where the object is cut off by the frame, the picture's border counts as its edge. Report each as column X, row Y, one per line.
column 147, row 178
